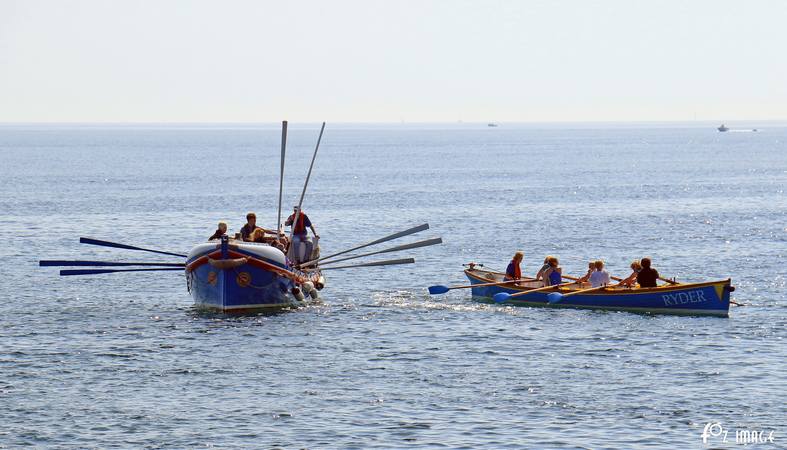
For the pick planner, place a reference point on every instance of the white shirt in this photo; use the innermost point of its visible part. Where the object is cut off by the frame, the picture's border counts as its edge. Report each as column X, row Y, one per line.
column 599, row 278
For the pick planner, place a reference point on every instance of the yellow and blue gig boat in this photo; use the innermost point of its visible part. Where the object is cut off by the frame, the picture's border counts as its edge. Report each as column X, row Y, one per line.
column 700, row 299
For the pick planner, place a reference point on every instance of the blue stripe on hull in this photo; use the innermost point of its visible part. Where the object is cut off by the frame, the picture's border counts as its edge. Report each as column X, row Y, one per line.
column 228, row 290
column 698, row 299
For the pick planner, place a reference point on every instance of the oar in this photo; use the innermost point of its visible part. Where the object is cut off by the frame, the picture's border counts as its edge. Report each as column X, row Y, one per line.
column 378, row 241
column 297, row 216
column 281, row 171
column 557, row 296
column 57, row 263
column 505, row 296
column 439, row 289
column 91, row 241
column 389, row 262
column 668, row 280
column 418, row 244
column 64, row 273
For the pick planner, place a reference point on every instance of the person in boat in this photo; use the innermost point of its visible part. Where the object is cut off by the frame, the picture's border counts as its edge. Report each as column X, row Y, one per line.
column 300, row 247
column 632, row 279
column 647, row 276
column 513, row 271
column 221, row 231
column 543, row 269
column 586, row 277
column 599, row 277
column 554, row 274
column 248, row 229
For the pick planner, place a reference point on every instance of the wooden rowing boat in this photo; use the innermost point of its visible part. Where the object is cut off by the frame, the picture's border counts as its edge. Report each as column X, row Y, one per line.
column 702, row 299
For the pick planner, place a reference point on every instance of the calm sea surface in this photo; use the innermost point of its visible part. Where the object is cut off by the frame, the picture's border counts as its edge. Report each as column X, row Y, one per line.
column 123, row 360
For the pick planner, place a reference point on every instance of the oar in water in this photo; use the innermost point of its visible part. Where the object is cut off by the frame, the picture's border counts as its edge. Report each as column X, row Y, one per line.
column 557, row 296
column 92, row 241
column 389, row 262
column 64, row 273
column 59, row 263
column 439, row 289
column 505, row 296
column 413, row 245
column 378, row 241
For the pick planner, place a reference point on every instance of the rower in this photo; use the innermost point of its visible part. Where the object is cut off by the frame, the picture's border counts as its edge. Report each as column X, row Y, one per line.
column 513, row 272
column 647, row 276
column 248, row 229
column 300, row 247
column 221, row 231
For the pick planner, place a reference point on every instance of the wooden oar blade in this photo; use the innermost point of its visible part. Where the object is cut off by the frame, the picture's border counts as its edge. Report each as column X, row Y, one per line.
column 102, row 243
column 389, row 262
column 65, row 273
column 65, row 263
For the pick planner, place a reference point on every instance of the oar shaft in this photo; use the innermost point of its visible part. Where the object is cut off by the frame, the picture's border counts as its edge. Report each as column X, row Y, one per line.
column 64, row 273
column 281, row 168
column 62, row 263
column 545, row 288
column 378, row 241
column 499, row 283
column 297, row 216
column 389, row 262
column 99, row 242
column 413, row 245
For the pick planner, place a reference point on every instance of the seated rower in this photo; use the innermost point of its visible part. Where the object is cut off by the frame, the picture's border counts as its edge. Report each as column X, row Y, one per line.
column 586, row 277
column 647, row 276
column 631, row 280
column 249, row 228
column 600, row 277
column 540, row 274
column 554, row 274
column 513, row 272
column 221, row 231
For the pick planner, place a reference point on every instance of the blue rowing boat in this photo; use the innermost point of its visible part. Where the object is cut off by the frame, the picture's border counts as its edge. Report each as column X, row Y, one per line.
column 701, row 299
column 245, row 277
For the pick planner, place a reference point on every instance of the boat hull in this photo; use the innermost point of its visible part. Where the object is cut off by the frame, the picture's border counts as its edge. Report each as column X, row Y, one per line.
column 696, row 299
column 244, row 278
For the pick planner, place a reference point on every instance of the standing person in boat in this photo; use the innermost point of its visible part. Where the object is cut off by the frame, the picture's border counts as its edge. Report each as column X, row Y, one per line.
column 632, row 279
column 513, row 271
column 300, row 247
column 221, row 231
column 246, row 233
column 647, row 276
column 554, row 274
column 600, row 277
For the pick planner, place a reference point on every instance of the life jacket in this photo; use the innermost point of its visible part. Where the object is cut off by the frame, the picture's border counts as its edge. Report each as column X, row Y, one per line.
column 300, row 227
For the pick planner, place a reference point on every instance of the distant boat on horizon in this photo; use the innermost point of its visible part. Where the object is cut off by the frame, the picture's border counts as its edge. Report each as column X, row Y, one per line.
column 490, row 124
column 722, row 128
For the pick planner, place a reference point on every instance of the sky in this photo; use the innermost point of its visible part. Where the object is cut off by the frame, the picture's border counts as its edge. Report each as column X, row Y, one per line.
column 392, row 61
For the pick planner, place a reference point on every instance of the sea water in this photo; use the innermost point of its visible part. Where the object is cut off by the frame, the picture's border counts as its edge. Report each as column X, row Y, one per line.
column 123, row 360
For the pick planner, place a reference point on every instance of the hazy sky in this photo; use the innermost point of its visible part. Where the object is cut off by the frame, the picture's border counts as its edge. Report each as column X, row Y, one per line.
column 368, row 61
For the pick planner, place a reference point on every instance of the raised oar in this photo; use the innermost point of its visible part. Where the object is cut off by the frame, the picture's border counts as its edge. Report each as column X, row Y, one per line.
column 64, row 273
column 378, row 241
column 296, row 217
column 439, row 289
column 505, row 296
column 557, row 296
column 59, row 263
column 91, row 241
column 389, row 262
column 418, row 244
column 281, row 171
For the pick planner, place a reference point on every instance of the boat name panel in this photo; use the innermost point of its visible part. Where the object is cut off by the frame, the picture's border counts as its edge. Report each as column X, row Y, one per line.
column 682, row 298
